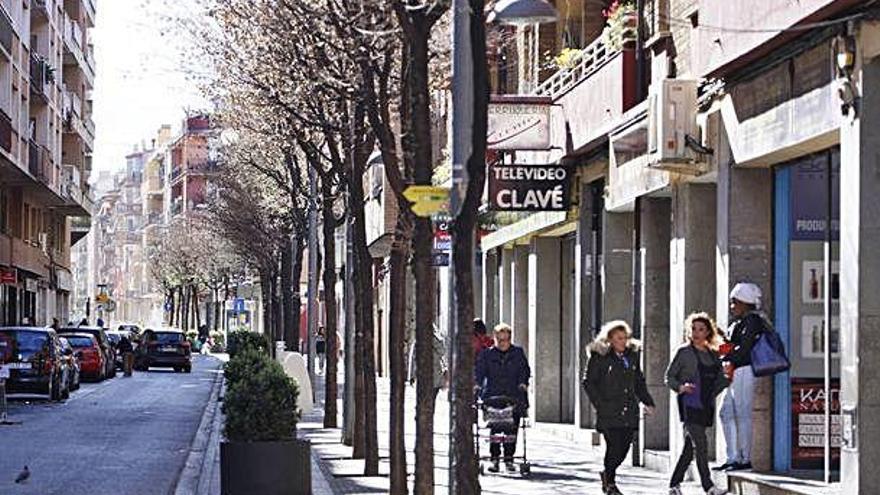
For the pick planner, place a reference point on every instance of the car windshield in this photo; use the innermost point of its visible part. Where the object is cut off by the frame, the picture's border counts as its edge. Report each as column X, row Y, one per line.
column 168, row 338
column 24, row 342
column 80, row 341
column 114, row 338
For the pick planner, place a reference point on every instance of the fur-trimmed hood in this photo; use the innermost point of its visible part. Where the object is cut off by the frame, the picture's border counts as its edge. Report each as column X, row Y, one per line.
column 600, row 346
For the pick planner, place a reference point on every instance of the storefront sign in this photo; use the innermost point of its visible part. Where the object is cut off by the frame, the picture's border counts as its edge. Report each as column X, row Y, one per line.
column 808, row 423
column 63, row 279
column 8, row 276
column 440, row 258
column 519, row 123
column 529, row 187
column 30, row 284
column 809, row 197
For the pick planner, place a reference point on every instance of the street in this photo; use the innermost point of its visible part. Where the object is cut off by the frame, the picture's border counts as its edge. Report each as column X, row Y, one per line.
column 125, row 435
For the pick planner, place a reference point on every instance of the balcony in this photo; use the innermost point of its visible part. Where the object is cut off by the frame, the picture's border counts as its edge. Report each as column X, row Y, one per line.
column 41, row 10
column 89, row 6
column 40, row 75
column 724, row 50
column 7, row 32
column 5, row 132
column 594, row 92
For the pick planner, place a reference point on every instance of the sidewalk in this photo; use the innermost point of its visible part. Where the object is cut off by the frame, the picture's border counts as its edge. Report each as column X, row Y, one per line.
column 559, row 466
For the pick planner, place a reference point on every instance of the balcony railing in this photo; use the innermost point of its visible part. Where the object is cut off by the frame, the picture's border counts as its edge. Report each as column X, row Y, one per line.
column 89, row 55
column 587, row 62
column 38, row 73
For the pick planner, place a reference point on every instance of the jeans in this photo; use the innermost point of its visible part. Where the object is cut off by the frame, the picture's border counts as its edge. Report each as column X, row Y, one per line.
column 617, row 443
column 509, row 447
column 694, row 443
column 736, row 415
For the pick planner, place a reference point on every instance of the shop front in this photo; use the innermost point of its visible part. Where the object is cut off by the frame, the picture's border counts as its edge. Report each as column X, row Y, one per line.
column 802, row 210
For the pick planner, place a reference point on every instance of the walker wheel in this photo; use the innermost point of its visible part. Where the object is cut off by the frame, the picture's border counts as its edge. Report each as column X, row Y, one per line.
column 482, row 469
column 525, row 468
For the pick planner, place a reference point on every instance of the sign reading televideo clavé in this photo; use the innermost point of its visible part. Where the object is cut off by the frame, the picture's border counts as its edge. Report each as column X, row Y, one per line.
column 529, row 187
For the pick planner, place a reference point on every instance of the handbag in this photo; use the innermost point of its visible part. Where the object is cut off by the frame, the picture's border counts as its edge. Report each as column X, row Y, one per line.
column 768, row 355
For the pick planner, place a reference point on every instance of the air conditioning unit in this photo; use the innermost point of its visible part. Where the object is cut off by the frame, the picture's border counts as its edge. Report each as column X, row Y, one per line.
column 672, row 119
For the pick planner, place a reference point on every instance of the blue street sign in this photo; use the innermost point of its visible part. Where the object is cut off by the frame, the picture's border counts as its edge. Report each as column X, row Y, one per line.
column 238, row 305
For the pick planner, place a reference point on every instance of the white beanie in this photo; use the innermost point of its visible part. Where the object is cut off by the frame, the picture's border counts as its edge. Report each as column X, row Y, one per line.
column 747, row 292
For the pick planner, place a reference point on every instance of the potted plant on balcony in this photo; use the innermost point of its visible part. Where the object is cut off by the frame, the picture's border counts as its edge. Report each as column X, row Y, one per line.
column 567, row 58
column 261, row 453
column 621, row 27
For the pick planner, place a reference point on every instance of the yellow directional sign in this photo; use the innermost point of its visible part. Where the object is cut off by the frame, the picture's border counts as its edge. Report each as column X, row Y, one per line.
column 427, row 200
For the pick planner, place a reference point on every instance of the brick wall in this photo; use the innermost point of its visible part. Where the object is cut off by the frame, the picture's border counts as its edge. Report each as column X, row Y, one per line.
column 683, row 34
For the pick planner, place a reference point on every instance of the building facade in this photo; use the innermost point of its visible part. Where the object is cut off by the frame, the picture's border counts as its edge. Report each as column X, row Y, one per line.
column 47, row 73
column 703, row 156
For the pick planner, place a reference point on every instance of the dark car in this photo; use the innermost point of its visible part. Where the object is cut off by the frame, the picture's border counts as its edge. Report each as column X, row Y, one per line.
column 68, row 354
column 34, row 358
column 89, row 353
column 134, row 331
column 107, row 348
column 115, row 337
column 164, row 348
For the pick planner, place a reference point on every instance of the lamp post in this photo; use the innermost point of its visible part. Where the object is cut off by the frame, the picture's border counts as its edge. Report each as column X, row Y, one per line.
column 510, row 12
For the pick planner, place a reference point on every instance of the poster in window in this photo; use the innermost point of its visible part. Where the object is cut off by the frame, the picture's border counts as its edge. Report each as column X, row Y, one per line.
column 813, row 282
column 813, row 336
column 808, row 423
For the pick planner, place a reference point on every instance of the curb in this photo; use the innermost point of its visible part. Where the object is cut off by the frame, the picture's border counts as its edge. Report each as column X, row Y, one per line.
column 202, row 449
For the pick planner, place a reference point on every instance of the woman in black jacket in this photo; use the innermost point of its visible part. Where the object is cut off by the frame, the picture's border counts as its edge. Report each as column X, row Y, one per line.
column 695, row 374
column 615, row 385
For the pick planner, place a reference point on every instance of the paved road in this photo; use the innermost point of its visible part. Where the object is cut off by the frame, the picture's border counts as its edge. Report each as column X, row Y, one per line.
column 125, row 435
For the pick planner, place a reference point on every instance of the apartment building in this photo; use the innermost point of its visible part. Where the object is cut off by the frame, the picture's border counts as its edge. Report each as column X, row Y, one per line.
column 190, row 163
column 45, row 152
column 701, row 155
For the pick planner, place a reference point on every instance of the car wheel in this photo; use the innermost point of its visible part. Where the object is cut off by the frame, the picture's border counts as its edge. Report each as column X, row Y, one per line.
column 55, row 389
column 188, row 369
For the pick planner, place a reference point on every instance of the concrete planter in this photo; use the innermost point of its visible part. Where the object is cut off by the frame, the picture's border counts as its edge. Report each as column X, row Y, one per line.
column 267, row 468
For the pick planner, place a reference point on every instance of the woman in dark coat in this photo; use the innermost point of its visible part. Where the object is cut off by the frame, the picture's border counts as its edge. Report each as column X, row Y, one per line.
column 696, row 375
column 503, row 371
column 616, row 385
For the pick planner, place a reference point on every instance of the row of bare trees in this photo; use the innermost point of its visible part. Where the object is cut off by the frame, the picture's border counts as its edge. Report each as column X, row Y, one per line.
column 321, row 85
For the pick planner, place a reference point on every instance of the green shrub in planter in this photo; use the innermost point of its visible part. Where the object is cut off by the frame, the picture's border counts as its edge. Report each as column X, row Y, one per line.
column 240, row 340
column 219, row 339
column 245, row 363
column 260, row 401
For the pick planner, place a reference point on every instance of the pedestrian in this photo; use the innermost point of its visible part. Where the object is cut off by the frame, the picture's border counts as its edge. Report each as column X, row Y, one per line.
column 736, row 407
column 56, row 325
column 321, row 349
column 615, row 386
column 696, row 375
column 503, row 371
column 100, row 323
column 127, row 351
column 480, row 339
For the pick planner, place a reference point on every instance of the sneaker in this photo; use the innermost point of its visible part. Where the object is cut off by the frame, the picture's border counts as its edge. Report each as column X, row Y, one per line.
column 494, row 467
column 612, row 490
column 511, row 467
column 675, row 491
column 715, row 491
column 740, row 466
column 724, row 467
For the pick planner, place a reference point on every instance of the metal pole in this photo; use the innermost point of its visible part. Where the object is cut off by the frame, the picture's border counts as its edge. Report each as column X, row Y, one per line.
column 462, row 128
column 827, row 323
column 637, row 312
column 312, row 307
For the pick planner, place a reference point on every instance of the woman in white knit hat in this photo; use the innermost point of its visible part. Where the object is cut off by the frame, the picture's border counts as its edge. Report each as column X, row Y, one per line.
column 736, row 408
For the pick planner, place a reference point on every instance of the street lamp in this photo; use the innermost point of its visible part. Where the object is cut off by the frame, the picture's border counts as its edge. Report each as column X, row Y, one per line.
column 511, row 12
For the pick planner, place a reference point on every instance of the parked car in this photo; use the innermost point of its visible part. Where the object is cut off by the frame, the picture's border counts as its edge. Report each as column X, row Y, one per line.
column 133, row 330
column 35, row 357
column 107, row 349
column 69, row 355
column 115, row 336
column 91, row 357
column 165, row 347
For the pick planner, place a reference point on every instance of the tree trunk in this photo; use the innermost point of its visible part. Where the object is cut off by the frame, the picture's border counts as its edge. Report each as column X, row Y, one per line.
column 266, row 296
column 289, row 319
column 277, row 311
column 463, row 462
column 184, row 294
column 364, row 299
column 217, row 307
column 196, row 315
column 397, row 355
column 331, row 392
column 296, row 303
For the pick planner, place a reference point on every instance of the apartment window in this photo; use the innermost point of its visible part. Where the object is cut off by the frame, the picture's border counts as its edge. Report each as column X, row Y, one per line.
column 4, row 210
